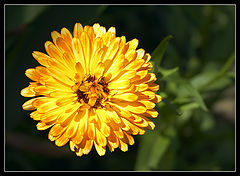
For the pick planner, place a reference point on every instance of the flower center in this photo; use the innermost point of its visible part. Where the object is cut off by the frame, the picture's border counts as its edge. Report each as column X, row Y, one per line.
column 92, row 91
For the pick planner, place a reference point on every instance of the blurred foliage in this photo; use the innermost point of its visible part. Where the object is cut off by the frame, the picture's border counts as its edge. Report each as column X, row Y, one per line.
column 193, row 53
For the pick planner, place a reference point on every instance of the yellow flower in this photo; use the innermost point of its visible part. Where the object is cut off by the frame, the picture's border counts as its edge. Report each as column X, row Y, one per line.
column 93, row 88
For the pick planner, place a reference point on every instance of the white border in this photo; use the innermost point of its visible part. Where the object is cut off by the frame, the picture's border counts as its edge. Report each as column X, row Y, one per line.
column 127, row 5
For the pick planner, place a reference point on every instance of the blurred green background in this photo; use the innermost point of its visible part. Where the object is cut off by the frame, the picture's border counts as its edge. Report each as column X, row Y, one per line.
column 195, row 66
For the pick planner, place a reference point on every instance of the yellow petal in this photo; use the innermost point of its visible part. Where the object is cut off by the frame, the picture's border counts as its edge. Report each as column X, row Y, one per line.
column 151, row 125
column 54, row 36
column 102, row 114
column 117, row 130
column 28, row 105
column 120, row 110
column 41, row 58
column 100, row 32
column 112, row 30
column 151, row 113
column 134, row 128
column 157, row 99
column 28, row 92
column 87, row 49
column 112, row 50
column 99, row 70
column 108, row 38
column 111, row 149
column 140, row 75
column 61, row 67
column 135, row 65
column 43, row 126
column 122, row 46
column 42, row 90
column 35, row 115
column 32, row 74
column 70, row 61
column 115, row 67
column 91, row 130
column 123, row 146
column 153, row 87
column 135, row 107
column 100, row 149
column 148, row 104
column 97, row 57
column 126, row 97
column 147, row 57
column 72, row 129
column 83, row 121
column 78, row 28
column 65, row 118
column 57, row 130
column 88, row 146
column 142, row 87
column 58, row 85
column 62, row 140
column 140, row 53
column 97, row 44
column 80, row 71
column 66, row 100
column 73, row 146
column 50, row 117
column 96, row 27
column 60, row 77
column 113, row 140
column 131, row 55
column 58, row 94
column 53, row 51
column 78, row 52
column 125, row 74
column 67, row 36
column 42, row 71
column 41, row 101
column 113, row 116
column 133, row 43
column 78, row 137
column 43, row 61
column 100, row 138
column 128, row 139
column 119, row 84
column 143, row 123
column 148, row 95
column 149, row 78
column 63, row 46
column 103, row 127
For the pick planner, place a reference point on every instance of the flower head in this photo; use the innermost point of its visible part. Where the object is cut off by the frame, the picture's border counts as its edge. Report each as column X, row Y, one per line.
column 93, row 88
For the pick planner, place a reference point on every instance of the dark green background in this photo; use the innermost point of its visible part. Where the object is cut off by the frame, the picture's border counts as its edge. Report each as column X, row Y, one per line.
column 188, row 136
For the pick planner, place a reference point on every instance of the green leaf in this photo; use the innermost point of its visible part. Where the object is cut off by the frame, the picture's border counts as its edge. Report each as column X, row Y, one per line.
column 152, row 148
column 144, row 151
column 189, row 106
column 159, row 147
column 158, row 53
column 194, row 93
column 172, row 106
column 221, row 73
column 167, row 72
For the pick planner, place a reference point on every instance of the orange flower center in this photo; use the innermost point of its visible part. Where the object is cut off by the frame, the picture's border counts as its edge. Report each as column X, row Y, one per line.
column 93, row 92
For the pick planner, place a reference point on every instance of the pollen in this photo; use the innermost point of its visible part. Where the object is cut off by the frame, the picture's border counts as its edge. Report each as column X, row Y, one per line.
column 92, row 91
